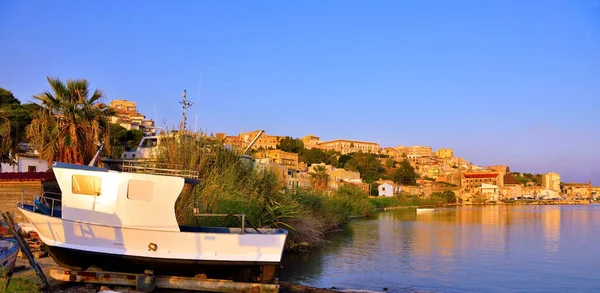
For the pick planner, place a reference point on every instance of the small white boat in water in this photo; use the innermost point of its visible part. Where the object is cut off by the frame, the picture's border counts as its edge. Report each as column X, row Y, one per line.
column 424, row 210
column 125, row 221
column 9, row 249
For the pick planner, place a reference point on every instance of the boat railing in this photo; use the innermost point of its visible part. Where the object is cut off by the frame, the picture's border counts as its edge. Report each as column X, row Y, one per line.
column 44, row 198
column 155, row 168
column 243, row 216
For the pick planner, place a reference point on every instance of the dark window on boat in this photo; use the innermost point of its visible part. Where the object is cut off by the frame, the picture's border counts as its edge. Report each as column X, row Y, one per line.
column 140, row 190
column 88, row 185
column 149, row 143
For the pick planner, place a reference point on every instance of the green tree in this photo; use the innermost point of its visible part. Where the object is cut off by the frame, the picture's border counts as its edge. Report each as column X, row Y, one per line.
column 319, row 177
column 405, row 174
column 368, row 164
column 317, row 156
column 7, row 98
column 351, row 165
column 342, row 161
column 449, row 196
column 390, row 163
column 292, row 145
column 71, row 122
column 14, row 119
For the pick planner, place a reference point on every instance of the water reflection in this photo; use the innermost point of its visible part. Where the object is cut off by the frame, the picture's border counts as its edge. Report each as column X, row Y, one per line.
column 488, row 248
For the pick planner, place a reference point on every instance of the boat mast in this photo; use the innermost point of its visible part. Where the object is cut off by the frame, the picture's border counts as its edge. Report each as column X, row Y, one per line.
column 186, row 105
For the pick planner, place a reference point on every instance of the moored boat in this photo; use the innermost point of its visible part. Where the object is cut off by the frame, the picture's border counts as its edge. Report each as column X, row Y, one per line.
column 9, row 249
column 125, row 221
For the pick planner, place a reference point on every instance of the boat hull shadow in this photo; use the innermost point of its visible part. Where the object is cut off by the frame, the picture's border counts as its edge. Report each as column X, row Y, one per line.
column 79, row 260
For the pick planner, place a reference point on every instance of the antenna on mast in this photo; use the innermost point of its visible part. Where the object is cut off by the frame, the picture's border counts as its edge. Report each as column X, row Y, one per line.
column 186, row 105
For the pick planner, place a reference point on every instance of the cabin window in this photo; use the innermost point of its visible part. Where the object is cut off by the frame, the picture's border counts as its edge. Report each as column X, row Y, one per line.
column 88, row 185
column 149, row 143
column 140, row 190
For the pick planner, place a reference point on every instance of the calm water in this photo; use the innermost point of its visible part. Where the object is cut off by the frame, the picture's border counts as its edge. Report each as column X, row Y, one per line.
column 463, row 249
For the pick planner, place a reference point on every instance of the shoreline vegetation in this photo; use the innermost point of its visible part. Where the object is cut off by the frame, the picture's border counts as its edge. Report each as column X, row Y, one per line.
column 230, row 184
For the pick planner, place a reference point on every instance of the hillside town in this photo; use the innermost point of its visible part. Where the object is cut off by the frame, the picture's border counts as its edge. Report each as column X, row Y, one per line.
column 436, row 170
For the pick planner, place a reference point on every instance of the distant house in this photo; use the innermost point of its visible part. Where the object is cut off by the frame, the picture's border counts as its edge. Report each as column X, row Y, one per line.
column 26, row 162
column 388, row 189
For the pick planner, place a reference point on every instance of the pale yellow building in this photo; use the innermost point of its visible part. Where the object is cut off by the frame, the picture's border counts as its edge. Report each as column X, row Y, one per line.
column 414, row 151
column 289, row 177
column 289, row 160
column 310, row 141
column 123, row 106
column 127, row 116
column 551, row 181
column 444, row 153
column 345, row 146
column 264, row 142
column 339, row 177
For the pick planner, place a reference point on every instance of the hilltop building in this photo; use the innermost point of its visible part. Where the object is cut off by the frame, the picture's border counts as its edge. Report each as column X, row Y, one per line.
column 128, row 117
column 264, row 142
column 345, row 146
column 503, row 169
column 444, row 153
column 414, row 152
column 310, row 141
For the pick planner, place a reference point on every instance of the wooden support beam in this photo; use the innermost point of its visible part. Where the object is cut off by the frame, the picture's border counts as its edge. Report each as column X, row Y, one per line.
column 166, row 282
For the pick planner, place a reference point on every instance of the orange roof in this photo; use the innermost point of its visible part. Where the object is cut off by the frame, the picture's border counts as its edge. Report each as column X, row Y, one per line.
column 481, row 175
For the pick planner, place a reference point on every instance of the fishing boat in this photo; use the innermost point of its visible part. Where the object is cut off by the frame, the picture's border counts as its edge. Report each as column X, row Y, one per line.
column 125, row 221
column 424, row 210
column 9, row 249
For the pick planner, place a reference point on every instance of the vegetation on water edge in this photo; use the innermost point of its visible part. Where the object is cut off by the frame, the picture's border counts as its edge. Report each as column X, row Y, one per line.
column 407, row 200
column 230, row 184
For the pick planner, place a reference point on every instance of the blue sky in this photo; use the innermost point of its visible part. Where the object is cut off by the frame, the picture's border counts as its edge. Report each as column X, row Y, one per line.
column 500, row 82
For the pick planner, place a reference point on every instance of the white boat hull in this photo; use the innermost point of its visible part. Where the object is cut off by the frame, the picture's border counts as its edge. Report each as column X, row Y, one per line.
column 226, row 247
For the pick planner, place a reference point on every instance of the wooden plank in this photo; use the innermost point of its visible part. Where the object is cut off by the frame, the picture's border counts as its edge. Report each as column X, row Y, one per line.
column 166, row 282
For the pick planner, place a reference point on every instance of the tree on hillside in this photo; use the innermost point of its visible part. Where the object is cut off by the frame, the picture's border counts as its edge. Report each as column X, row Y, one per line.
column 405, row 174
column 390, row 163
column 368, row 164
column 292, row 145
column 317, row 156
column 7, row 98
column 351, row 165
column 342, row 161
column 319, row 177
column 71, row 122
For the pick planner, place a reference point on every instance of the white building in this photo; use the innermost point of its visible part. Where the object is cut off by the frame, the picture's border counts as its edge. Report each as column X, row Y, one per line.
column 490, row 191
column 25, row 163
column 388, row 189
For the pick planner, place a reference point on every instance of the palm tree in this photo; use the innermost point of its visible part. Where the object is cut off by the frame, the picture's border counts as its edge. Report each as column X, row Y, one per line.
column 70, row 123
column 319, row 177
